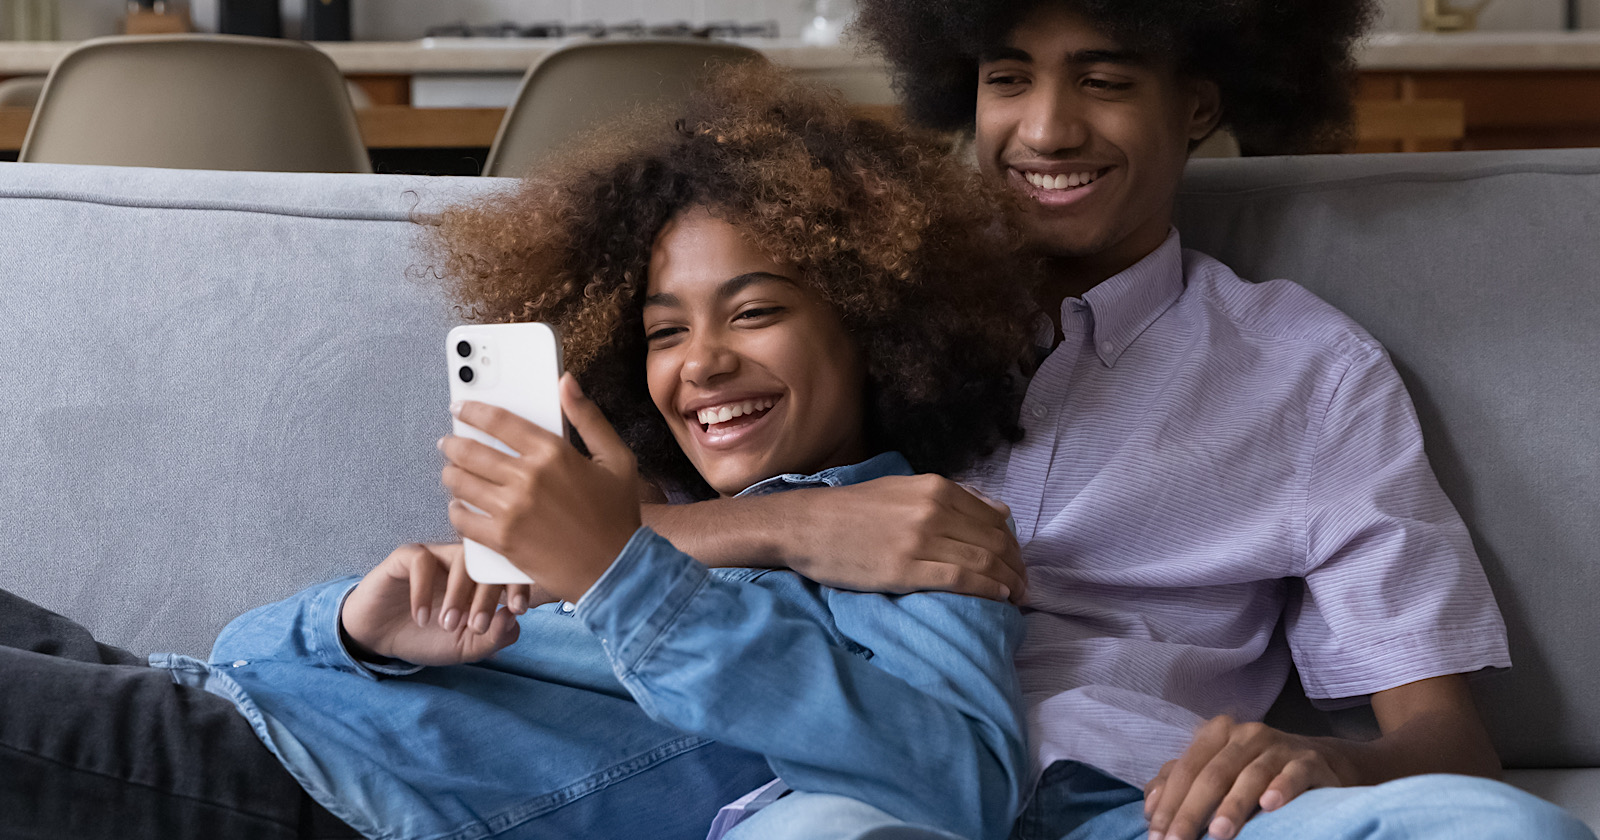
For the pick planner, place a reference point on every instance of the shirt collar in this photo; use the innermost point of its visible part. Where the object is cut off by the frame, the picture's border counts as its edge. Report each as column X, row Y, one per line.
column 878, row 466
column 1126, row 304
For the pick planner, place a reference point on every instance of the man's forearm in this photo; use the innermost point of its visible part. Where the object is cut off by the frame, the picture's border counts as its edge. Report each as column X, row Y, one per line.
column 761, row 531
column 1429, row 743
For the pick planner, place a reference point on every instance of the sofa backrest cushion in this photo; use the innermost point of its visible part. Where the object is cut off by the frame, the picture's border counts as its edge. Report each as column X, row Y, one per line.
column 215, row 389
column 1480, row 272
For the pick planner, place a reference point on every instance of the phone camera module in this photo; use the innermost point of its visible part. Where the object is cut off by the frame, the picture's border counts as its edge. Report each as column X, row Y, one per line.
column 465, row 373
column 463, row 349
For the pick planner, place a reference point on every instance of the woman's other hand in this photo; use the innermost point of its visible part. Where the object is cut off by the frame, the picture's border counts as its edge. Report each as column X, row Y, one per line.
column 559, row 517
column 419, row 605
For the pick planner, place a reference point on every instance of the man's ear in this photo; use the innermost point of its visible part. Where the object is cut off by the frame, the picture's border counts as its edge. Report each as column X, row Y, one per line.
column 1207, row 109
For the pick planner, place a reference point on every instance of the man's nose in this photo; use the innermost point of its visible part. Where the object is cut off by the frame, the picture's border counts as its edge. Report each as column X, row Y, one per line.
column 1053, row 121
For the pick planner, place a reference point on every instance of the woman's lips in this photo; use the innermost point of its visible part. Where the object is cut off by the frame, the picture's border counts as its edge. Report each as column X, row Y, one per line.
column 732, row 432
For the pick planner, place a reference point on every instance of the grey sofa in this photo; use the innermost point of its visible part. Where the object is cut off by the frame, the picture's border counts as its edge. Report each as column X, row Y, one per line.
column 216, row 388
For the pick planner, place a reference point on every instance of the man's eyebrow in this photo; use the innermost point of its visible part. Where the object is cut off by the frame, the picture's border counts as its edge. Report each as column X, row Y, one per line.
column 1005, row 52
column 1105, row 57
column 726, row 289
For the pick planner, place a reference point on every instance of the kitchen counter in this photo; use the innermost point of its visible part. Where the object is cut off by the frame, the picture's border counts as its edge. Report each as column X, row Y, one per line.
column 1385, row 51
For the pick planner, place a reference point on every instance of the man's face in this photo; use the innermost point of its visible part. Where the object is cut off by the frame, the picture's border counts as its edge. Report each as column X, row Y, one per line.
column 1091, row 137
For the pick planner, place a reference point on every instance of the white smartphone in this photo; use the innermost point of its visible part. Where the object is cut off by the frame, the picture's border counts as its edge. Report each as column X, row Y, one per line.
column 516, row 367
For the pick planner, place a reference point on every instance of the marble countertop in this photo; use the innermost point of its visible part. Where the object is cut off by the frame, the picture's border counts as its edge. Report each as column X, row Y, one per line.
column 1383, row 51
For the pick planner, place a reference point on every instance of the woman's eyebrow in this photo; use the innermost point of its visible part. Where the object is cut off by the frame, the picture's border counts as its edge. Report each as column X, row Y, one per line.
column 727, row 289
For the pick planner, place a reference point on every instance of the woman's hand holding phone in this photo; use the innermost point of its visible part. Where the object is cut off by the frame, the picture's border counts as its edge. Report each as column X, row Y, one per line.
column 557, row 516
column 420, row 606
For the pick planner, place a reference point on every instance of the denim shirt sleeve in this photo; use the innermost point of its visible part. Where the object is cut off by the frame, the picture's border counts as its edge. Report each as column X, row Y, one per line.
column 302, row 627
column 927, row 727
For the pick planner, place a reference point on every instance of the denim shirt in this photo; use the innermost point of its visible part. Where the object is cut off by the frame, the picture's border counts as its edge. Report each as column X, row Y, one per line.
column 908, row 703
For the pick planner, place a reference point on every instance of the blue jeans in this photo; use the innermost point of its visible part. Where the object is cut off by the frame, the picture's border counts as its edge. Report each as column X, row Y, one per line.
column 1076, row 802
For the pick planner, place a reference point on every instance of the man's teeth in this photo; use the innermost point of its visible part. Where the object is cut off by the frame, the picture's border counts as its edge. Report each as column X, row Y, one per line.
column 1060, row 182
column 724, row 413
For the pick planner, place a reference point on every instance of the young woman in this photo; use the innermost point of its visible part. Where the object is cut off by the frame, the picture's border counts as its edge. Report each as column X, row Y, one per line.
column 776, row 296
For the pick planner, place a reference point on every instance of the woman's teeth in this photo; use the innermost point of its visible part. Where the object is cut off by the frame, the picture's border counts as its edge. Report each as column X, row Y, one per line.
column 1060, row 182
column 723, row 413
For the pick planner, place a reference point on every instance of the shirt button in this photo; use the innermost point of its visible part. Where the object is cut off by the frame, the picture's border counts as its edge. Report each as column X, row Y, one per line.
column 240, row 663
column 1106, row 347
column 1037, row 412
column 566, row 606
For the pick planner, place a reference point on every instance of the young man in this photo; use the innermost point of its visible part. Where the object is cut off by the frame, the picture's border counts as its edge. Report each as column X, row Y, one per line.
column 1205, row 461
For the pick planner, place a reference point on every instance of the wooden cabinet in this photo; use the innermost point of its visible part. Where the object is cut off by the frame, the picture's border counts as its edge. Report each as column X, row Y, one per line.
column 1502, row 109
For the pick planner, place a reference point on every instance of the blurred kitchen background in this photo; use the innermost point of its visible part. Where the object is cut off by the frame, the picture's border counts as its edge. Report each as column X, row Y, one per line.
column 400, row 20
column 430, row 80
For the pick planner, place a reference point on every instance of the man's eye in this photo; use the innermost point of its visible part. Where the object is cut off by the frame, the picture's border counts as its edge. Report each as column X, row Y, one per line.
column 1107, row 85
column 652, row 336
column 1003, row 81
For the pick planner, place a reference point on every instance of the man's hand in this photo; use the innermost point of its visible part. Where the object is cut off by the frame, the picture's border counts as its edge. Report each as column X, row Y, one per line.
column 913, row 533
column 419, row 605
column 559, row 517
column 1428, row 726
column 1232, row 768
column 894, row 534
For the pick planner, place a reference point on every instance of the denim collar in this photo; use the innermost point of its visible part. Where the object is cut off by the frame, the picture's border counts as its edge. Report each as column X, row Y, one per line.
column 878, row 466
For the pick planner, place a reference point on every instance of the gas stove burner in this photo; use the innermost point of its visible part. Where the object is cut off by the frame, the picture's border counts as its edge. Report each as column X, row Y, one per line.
column 596, row 29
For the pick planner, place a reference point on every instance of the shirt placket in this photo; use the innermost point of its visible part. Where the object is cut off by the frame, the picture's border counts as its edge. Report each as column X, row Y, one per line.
column 1043, row 406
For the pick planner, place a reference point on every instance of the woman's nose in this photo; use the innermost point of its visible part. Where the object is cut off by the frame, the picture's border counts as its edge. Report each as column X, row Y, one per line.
column 708, row 358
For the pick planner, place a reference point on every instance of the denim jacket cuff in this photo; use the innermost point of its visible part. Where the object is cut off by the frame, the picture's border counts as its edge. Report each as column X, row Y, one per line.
column 340, row 655
column 639, row 597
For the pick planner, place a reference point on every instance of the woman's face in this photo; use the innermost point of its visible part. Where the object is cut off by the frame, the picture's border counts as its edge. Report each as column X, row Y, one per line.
column 752, row 371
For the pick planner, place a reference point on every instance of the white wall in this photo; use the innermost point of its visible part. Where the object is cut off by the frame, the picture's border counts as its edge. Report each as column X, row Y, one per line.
column 405, row 19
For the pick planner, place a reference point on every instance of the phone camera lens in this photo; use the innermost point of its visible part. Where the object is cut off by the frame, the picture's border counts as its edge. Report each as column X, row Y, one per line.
column 465, row 374
column 463, row 349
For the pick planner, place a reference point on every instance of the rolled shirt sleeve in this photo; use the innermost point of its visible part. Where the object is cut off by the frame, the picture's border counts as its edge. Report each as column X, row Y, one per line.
column 1392, row 590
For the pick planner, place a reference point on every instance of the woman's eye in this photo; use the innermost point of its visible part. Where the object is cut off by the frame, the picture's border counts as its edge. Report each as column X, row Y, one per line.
column 652, row 336
column 757, row 313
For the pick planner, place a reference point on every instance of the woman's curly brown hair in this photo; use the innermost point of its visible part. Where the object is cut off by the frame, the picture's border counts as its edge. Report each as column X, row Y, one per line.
column 1285, row 69
column 905, row 244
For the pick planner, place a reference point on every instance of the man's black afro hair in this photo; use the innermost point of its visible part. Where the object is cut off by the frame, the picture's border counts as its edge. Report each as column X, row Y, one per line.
column 1285, row 68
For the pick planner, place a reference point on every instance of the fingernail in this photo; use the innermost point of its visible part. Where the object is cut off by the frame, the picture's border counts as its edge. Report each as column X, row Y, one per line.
column 452, row 617
column 480, row 623
column 422, row 617
column 519, row 603
column 1156, row 835
column 439, row 444
column 1221, row 828
column 1271, row 800
column 455, row 408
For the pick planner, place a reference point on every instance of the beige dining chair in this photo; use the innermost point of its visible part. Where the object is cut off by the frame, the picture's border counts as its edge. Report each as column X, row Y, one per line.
column 197, row 102
column 583, row 85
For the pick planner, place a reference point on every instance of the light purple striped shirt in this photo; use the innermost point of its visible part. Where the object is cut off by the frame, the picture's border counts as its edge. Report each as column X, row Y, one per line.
column 1207, row 461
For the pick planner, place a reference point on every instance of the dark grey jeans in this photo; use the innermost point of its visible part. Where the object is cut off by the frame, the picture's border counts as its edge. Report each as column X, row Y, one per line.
column 96, row 744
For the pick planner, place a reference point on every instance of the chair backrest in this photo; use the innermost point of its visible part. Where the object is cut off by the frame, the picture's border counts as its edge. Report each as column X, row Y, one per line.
column 578, row 87
column 197, row 102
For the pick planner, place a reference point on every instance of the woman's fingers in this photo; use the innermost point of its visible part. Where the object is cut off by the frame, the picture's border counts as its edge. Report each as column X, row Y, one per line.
column 605, row 447
column 457, row 597
column 423, row 572
column 484, row 603
column 479, row 459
